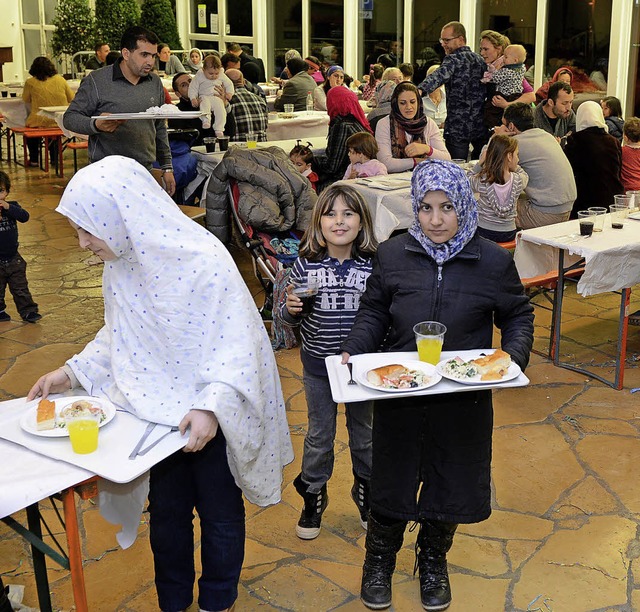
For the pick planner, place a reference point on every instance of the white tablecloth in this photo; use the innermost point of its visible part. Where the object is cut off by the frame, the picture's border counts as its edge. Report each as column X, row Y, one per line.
column 303, row 125
column 390, row 209
column 612, row 257
column 14, row 111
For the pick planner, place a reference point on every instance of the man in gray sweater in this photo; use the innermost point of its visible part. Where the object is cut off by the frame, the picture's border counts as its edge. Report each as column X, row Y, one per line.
column 552, row 189
column 128, row 86
column 555, row 114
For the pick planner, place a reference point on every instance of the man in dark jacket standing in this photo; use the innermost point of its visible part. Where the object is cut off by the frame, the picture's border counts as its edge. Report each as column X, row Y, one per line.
column 460, row 73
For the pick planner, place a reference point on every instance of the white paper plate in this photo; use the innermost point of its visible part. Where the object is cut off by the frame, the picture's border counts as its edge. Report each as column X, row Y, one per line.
column 513, row 371
column 427, row 368
column 29, row 424
column 635, row 216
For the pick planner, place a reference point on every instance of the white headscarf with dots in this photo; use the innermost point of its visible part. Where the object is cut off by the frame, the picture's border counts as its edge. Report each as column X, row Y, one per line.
column 181, row 328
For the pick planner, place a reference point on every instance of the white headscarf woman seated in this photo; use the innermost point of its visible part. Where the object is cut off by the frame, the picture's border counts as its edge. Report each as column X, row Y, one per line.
column 183, row 344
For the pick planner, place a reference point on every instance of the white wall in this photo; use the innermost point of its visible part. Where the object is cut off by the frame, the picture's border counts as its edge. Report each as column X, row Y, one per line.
column 10, row 37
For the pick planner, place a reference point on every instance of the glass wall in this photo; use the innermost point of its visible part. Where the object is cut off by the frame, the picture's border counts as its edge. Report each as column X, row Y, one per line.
column 287, row 31
column 382, row 34
column 37, row 16
column 327, row 31
column 428, row 19
column 215, row 22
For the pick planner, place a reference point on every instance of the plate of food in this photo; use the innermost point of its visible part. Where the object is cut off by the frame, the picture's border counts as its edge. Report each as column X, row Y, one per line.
column 400, row 377
column 46, row 418
column 490, row 366
column 286, row 115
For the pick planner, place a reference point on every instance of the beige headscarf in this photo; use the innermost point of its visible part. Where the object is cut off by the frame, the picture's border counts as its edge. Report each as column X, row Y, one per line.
column 590, row 115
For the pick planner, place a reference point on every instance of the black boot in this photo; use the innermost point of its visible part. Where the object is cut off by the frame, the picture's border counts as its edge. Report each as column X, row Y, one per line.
column 360, row 495
column 308, row 527
column 434, row 541
column 382, row 545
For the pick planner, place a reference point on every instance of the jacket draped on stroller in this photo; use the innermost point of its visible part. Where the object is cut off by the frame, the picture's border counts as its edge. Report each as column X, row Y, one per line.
column 274, row 196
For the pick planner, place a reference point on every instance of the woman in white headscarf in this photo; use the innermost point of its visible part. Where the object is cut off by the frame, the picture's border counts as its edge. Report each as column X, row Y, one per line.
column 182, row 344
column 596, row 159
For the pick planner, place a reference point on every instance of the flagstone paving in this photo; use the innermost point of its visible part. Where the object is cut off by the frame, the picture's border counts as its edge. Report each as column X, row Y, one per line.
column 564, row 534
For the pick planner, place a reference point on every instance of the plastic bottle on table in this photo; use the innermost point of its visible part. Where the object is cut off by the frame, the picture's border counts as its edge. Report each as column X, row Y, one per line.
column 309, row 102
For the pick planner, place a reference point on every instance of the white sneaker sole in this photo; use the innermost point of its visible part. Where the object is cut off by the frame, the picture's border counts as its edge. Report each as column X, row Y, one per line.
column 307, row 533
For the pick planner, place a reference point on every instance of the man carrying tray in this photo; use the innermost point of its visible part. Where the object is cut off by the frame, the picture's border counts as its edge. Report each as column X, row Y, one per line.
column 128, row 86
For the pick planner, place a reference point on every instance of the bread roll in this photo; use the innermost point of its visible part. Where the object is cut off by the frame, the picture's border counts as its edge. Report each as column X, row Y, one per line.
column 45, row 415
column 494, row 366
column 376, row 376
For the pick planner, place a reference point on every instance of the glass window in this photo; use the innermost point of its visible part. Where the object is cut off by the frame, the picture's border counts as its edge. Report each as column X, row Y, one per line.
column 49, row 10
column 240, row 18
column 206, row 46
column 30, row 12
column 382, row 34
column 31, row 46
column 578, row 37
column 288, row 30
column 204, row 17
column 327, row 32
column 428, row 19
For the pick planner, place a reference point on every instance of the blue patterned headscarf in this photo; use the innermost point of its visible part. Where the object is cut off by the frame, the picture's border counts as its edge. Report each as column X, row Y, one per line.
column 439, row 175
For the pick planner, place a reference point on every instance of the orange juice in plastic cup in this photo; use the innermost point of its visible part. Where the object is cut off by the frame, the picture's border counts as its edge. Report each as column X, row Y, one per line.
column 83, row 432
column 429, row 340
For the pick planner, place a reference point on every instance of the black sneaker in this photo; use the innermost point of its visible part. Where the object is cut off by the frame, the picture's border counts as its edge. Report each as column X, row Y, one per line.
column 360, row 495
column 32, row 317
column 308, row 527
column 4, row 316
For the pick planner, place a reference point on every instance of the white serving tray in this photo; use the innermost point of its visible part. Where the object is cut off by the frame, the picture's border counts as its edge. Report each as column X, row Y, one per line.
column 342, row 392
column 144, row 115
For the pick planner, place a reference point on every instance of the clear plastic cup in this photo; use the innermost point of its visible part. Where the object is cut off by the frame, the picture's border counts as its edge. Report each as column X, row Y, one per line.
column 289, row 108
column 223, row 143
column 429, row 340
column 623, row 200
column 210, row 144
column 306, row 290
column 83, row 431
column 635, row 203
column 252, row 140
column 619, row 214
column 598, row 217
column 586, row 221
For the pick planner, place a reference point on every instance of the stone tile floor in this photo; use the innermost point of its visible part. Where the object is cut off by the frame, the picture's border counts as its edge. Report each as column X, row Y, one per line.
column 565, row 532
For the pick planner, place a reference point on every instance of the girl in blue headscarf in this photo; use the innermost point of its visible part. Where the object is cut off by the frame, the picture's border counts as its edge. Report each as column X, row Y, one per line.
column 432, row 455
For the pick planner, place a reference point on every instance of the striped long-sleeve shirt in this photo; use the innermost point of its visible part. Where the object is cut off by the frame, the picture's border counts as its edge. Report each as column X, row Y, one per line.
column 334, row 308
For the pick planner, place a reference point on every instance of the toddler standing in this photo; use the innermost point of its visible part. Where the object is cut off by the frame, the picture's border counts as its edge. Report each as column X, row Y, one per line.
column 498, row 180
column 13, row 269
column 336, row 252
column 202, row 93
column 363, row 149
column 630, row 173
column 302, row 158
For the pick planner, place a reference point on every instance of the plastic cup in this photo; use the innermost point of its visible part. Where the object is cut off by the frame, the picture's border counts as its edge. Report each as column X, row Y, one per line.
column 635, row 203
column 289, row 108
column 13, row 94
column 586, row 220
column 598, row 217
column 223, row 142
column 460, row 162
column 623, row 200
column 252, row 140
column 306, row 290
column 210, row 144
column 619, row 213
column 83, row 431
column 429, row 340
column 5, row 94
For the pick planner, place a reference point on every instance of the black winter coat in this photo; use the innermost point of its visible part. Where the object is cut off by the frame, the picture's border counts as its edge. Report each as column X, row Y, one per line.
column 432, row 454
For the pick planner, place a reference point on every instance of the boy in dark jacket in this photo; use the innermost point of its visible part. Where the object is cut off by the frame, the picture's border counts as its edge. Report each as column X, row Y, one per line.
column 13, row 269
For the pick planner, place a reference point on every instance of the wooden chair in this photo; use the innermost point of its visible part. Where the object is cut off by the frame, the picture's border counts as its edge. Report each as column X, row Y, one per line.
column 75, row 146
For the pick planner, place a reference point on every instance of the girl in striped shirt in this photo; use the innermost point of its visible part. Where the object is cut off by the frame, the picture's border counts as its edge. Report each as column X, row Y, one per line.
column 336, row 253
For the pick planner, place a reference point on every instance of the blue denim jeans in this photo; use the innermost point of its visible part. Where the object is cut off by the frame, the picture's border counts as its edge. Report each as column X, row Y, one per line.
column 459, row 149
column 318, row 457
column 179, row 484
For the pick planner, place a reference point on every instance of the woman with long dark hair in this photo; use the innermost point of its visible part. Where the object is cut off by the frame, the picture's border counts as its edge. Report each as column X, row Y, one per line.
column 407, row 136
column 45, row 88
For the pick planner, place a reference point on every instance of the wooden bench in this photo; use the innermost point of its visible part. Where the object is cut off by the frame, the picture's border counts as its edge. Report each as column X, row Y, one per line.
column 47, row 134
column 75, row 146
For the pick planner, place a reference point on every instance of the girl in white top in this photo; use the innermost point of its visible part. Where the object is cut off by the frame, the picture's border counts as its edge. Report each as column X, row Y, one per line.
column 407, row 136
column 204, row 89
column 183, row 344
column 498, row 181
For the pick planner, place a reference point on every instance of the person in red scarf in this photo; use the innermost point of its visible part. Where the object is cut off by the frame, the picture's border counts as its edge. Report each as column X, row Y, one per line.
column 407, row 136
column 345, row 119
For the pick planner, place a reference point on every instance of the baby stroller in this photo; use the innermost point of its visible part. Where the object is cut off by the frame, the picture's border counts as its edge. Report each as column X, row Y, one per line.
column 272, row 257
